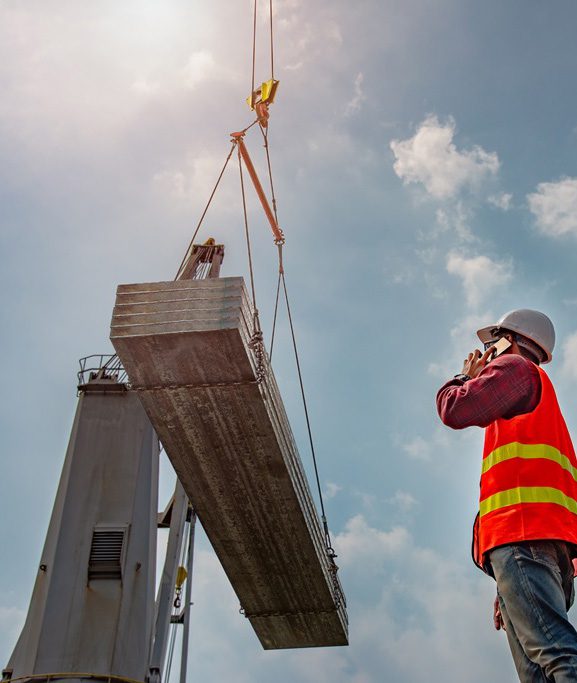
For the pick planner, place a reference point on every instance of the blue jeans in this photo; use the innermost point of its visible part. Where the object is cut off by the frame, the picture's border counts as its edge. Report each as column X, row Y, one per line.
column 535, row 589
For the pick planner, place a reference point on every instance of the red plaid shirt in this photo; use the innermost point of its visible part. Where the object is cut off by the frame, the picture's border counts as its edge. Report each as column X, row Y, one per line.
column 507, row 386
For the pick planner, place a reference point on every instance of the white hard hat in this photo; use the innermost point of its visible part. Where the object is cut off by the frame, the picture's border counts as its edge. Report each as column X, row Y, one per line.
column 533, row 325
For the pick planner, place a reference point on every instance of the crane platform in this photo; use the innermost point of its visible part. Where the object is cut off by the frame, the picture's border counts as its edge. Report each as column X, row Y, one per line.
column 185, row 347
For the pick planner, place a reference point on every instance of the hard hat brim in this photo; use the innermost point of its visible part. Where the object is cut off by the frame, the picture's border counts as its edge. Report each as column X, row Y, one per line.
column 485, row 335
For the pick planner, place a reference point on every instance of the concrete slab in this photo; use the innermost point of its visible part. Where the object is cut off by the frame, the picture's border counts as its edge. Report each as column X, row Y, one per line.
column 232, row 447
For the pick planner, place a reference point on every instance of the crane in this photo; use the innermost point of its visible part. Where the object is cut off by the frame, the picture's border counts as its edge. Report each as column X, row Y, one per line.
column 190, row 374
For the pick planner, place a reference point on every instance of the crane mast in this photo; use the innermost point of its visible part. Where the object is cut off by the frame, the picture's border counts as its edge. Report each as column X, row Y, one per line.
column 93, row 613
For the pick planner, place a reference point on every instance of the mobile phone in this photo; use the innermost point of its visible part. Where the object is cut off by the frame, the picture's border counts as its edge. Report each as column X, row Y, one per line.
column 500, row 347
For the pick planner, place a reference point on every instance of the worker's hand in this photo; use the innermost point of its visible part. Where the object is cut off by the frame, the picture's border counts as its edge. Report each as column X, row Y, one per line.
column 475, row 362
column 497, row 616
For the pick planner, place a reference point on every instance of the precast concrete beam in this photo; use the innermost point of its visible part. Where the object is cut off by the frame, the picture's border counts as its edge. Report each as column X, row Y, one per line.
column 185, row 346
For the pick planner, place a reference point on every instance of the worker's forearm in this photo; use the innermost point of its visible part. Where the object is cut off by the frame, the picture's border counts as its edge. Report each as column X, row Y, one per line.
column 505, row 388
column 458, row 408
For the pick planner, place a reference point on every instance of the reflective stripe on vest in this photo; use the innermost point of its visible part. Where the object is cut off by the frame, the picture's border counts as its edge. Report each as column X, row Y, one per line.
column 529, row 477
column 528, row 451
column 527, row 494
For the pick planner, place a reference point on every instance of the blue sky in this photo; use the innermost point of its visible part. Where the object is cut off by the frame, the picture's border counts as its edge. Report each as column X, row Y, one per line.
column 425, row 161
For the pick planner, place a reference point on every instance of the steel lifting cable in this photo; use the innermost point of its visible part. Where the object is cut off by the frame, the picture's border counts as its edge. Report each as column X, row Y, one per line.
column 171, row 643
column 170, row 653
column 191, row 243
column 254, row 22
column 256, row 342
column 244, row 130
column 281, row 276
column 275, row 315
column 330, row 550
column 271, row 42
column 168, row 667
column 264, row 132
column 253, row 52
column 189, row 248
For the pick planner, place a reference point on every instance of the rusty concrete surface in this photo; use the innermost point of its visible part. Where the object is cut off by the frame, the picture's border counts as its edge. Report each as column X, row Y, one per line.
column 185, row 347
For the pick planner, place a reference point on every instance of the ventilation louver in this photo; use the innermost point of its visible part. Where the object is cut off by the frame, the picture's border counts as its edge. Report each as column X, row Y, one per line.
column 106, row 554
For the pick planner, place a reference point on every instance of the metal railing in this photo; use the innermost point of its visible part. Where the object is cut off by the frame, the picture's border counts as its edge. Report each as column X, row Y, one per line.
column 101, row 366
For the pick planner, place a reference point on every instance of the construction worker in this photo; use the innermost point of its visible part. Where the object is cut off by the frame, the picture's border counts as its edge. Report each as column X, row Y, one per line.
column 525, row 534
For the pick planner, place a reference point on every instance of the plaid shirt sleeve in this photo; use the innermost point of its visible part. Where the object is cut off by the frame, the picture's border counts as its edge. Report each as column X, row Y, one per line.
column 508, row 386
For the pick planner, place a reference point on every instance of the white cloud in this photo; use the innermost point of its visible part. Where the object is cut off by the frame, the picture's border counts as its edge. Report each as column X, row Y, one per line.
column 368, row 500
column 172, row 183
column 398, row 270
column 463, row 340
column 333, row 33
column 198, row 68
column 193, row 181
column 331, row 489
column 360, row 543
column 330, row 146
column 466, row 328
column 403, row 598
column 431, row 158
column 434, row 288
column 144, row 87
column 570, row 356
column 309, row 38
column 428, row 256
column 201, row 67
column 354, row 105
column 457, row 219
column 440, row 370
column 417, row 449
column 501, row 200
column 554, row 206
column 411, row 599
column 481, row 275
column 294, row 67
column 403, row 501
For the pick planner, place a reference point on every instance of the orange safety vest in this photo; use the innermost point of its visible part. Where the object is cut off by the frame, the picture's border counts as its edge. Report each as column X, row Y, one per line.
column 529, row 478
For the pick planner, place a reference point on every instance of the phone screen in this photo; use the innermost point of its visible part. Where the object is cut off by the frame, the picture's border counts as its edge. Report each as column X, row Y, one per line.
column 501, row 346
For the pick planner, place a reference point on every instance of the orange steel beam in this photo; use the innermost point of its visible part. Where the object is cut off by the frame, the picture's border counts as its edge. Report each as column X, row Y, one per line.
column 277, row 232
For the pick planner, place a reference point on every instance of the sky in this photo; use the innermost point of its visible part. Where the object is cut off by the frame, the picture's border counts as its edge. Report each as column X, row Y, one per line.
column 425, row 168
